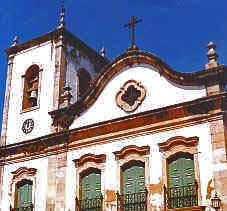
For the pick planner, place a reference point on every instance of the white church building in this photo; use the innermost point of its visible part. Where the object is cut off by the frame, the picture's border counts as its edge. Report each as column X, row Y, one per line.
column 82, row 133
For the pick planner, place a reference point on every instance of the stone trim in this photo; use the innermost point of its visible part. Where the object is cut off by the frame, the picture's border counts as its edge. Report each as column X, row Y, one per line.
column 202, row 78
column 132, row 149
column 71, row 38
column 7, row 98
column 90, row 158
column 23, row 173
column 60, row 68
column 130, row 157
column 5, row 117
column 85, row 163
column 177, row 145
column 39, row 88
column 128, row 104
column 178, row 140
column 133, row 125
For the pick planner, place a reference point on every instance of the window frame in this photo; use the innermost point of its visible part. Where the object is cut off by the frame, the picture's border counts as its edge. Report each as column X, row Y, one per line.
column 23, row 78
column 22, row 173
column 180, row 145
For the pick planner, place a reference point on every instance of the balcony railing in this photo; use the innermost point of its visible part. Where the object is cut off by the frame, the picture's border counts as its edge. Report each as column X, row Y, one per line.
column 94, row 204
column 24, row 208
column 132, row 202
column 183, row 196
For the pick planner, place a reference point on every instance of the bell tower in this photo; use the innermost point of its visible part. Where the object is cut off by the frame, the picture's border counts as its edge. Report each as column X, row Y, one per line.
column 38, row 71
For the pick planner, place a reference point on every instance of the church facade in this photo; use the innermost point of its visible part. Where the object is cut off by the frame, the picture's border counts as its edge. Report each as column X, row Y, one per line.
column 81, row 132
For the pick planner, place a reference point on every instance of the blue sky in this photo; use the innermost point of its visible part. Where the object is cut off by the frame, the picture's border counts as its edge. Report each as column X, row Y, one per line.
column 175, row 30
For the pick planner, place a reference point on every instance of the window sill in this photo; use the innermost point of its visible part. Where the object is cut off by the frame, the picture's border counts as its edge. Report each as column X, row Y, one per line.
column 30, row 109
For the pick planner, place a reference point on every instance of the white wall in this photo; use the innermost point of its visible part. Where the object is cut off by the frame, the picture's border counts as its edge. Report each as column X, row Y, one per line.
column 39, row 198
column 160, row 93
column 42, row 56
column 109, row 178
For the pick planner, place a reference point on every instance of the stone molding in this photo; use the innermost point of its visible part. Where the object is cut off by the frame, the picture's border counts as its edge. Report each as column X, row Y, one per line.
column 216, row 75
column 199, row 111
column 132, row 149
column 178, row 140
column 181, row 145
column 85, row 164
column 90, row 158
column 126, row 156
column 130, row 96
column 22, row 173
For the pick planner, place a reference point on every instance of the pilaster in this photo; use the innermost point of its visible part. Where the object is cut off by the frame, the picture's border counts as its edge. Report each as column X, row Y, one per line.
column 218, row 139
column 60, row 68
column 5, row 116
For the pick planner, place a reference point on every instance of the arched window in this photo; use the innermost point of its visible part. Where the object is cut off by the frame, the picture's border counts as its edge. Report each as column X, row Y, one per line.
column 84, row 79
column 31, row 83
column 90, row 190
column 23, row 199
column 182, row 187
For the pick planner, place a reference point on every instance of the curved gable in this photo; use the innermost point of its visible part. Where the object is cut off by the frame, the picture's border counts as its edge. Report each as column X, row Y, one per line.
column 164, row 87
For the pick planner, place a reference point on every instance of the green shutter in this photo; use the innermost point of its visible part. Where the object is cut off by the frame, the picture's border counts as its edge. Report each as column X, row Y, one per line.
column 134, row 179
column 181, row 171
column 24, row 194
column 91, row 185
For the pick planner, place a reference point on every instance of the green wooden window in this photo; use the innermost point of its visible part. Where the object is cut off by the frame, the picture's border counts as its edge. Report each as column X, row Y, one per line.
column 24, row 193
column 133, row 178
column 181, row 171
column 91, row 184
column 182, row 187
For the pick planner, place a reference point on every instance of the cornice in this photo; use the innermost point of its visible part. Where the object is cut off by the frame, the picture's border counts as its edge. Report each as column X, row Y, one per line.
column 64, row 36
column 168, row 118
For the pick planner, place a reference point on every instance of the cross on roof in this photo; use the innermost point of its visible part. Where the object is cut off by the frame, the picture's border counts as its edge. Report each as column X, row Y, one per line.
column 131, row 25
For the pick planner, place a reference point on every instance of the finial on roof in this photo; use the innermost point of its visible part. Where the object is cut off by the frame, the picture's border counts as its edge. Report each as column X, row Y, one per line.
column 212, row 55
column 15, row 41
column 62, row 16
column 103, row 52
column 66, row 96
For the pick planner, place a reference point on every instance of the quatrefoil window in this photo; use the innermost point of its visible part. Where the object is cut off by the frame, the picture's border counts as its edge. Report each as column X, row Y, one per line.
column 130, row 96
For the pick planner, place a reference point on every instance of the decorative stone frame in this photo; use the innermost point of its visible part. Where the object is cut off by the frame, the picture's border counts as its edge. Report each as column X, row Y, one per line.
column 181, row 145
column 40, row 66
column 130, row 154
column 23, row 173
column 123, row 104
column 84, row 164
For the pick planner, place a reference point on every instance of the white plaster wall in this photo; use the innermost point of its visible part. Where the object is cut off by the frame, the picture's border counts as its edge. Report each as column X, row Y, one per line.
column 109, row 178
column 41, row 183
column 44, row 56
column 160, row 93
column 74, row 63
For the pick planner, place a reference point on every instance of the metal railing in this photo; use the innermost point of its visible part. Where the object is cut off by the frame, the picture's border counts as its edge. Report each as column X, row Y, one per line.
column 24, row 208
column 183, row 196
column 132, row 202
column 94, row 204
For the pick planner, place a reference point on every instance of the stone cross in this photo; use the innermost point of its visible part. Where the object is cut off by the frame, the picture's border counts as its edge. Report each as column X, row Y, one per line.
column 131, row 25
